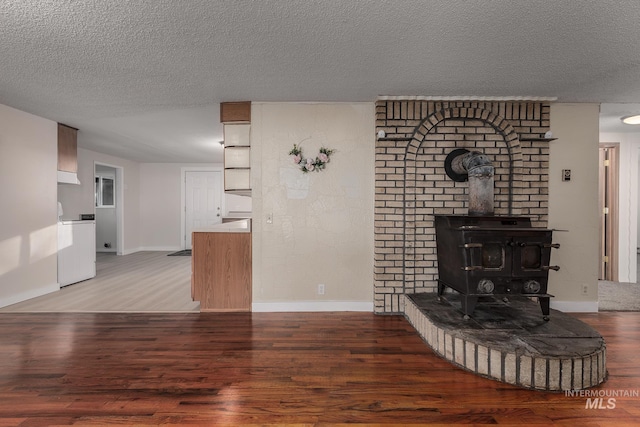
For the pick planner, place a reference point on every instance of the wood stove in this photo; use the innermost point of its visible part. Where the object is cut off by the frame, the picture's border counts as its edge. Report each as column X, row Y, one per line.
column 493, row 256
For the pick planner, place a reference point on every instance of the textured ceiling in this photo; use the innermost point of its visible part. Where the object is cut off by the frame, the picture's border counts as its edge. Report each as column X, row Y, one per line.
column 143, row 79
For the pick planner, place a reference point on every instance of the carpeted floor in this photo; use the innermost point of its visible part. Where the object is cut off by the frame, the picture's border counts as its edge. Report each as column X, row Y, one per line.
column 614, row 296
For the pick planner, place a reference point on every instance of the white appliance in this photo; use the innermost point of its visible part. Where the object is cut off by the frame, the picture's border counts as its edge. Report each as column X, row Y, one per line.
column 76, row 251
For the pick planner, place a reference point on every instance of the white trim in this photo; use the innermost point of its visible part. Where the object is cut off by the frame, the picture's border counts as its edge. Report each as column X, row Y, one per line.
column 575, row 306
column 106, row 251
column 152, row 249
column 298, row 306
column 466, row 98
column 33, row 293
column 160, row 248
column 130, row 251
column 119, row 249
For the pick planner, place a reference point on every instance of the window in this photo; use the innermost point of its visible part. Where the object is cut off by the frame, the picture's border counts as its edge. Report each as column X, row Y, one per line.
column 105, row 192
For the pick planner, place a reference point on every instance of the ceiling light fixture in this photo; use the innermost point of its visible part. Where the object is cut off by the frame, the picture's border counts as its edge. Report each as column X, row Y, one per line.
column 631, row 120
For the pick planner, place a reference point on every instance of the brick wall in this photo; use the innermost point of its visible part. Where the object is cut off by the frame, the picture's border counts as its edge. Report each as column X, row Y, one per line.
column 412, row 186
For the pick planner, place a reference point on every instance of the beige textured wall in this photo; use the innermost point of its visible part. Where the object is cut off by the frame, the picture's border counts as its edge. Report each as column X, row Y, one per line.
column 322, row 230
column 28, row 230
column 573, row 206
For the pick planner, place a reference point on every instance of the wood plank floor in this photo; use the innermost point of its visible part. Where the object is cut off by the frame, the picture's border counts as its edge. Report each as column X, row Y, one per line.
column 139, row 282
column 273, row 368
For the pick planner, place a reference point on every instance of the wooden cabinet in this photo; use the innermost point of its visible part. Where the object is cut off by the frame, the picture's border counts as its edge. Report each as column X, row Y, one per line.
column 67, row 148
column 221, row 270
column 235, row 112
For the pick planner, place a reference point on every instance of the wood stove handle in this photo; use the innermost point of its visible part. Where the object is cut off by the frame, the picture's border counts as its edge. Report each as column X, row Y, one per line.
column 551, row 267
column 552, row 245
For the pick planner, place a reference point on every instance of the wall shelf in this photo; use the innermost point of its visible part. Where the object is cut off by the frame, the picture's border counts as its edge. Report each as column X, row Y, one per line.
column 237, row 159
column 538, row 139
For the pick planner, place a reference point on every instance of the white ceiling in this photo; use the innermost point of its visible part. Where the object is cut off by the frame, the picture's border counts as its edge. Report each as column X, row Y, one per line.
column 143, row 80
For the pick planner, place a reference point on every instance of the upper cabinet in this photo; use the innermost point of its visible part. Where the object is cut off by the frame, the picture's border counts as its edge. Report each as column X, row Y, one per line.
column 67, row 154
column 235, row 112
column 236, row 118
column 67, row 148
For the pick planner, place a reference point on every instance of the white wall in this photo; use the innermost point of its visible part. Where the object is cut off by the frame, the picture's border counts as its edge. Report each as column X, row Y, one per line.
column 162, row 206
column 573, row 206
column 322, row 230
column 77, row 199
column 627, row 203
column 28, row 229
column 152, row 200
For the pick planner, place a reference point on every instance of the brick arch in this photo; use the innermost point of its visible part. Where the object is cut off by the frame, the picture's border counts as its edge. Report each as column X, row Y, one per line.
column 499, row 124
column 420, row 264
column 502, row 126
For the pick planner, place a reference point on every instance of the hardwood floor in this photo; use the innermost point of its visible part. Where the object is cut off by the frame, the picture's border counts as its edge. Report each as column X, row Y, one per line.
column 139, row 282
column 273, row 368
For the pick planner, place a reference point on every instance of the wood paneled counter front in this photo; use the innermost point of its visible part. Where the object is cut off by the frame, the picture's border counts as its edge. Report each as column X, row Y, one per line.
column 221, row 267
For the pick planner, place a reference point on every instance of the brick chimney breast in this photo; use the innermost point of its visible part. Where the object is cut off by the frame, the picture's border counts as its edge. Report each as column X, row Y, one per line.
column 412, row 186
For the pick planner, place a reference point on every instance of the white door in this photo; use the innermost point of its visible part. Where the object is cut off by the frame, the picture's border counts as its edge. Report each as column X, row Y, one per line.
column 203, row 200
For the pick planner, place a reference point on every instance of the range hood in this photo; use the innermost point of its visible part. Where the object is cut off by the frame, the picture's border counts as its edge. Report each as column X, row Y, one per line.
column 68, row 178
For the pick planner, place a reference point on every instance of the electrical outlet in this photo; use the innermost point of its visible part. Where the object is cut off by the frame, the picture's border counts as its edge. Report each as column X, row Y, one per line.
column 321, row 289
column 585, row 289
column 269, row 218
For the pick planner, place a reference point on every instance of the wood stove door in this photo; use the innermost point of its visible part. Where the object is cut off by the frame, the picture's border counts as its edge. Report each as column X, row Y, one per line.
column 489, row 252
column 531, row 256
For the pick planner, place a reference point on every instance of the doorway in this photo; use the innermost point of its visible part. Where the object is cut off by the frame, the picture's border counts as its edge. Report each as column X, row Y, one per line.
column 108, row 208
column 609, row 155
column 203, row 201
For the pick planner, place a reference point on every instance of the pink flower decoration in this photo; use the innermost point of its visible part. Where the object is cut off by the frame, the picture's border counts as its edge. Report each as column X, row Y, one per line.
column 296, row 159
column 323, row 157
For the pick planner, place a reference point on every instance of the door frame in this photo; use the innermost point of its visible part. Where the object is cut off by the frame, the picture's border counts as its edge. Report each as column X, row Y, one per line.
column 183, row 198
column 608, row 198
column 119, row 188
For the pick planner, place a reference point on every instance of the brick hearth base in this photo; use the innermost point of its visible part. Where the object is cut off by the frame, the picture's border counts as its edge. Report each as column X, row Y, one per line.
column 510, row 342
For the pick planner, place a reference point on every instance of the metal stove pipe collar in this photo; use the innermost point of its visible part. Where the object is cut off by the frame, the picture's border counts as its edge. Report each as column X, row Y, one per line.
column 477, row 164
column 480, row 172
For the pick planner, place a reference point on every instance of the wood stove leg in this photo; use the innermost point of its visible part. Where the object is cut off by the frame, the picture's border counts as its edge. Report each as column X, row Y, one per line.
column 544, row 306
column 440, row 288
column 468, row 304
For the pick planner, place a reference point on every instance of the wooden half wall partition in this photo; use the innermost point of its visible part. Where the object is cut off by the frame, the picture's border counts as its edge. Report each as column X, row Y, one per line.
column 221, row 271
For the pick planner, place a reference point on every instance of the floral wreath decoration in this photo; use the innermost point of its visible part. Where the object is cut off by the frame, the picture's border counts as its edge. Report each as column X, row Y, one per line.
column 310, row 164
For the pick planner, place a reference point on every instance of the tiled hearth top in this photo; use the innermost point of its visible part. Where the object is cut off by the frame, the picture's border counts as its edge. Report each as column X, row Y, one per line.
column 510, row 341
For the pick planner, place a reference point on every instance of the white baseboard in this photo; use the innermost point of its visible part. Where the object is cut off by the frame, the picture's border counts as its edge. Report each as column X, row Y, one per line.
column 32, row 293
column 160, row 248
column 575, row 306
column 297, row 306
column 102, row 251
column 151, row 249
column 129, row 251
